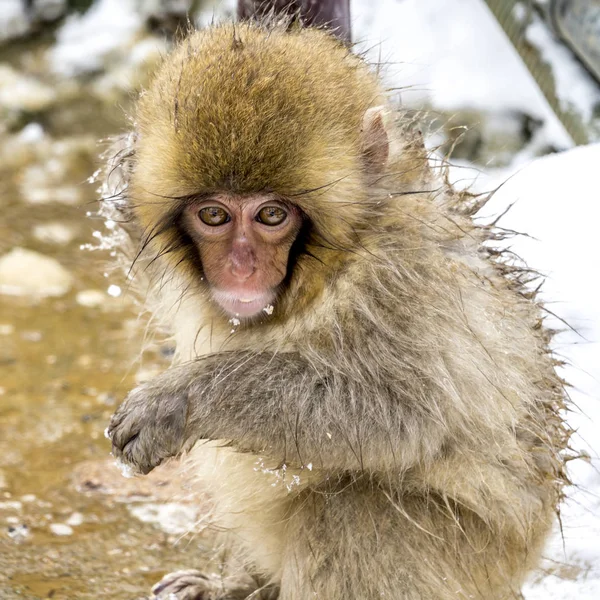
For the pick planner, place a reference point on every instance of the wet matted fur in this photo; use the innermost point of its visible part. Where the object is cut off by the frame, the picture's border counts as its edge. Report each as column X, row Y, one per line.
column 393, row 429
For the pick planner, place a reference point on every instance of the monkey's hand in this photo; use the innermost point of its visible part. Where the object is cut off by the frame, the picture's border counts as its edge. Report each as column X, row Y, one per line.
column 150, row 425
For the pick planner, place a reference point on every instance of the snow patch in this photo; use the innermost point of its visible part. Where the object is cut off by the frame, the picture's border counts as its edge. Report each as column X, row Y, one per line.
column 84, row 42
column 173, row 517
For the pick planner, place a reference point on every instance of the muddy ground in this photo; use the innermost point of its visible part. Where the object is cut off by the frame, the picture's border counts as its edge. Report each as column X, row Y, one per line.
column 70, row 525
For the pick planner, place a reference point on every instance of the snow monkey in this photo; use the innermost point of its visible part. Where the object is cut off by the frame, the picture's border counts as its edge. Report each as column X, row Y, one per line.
column 363, row 384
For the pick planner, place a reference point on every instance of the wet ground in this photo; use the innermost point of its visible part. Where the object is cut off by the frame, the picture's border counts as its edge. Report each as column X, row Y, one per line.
column 70, row 525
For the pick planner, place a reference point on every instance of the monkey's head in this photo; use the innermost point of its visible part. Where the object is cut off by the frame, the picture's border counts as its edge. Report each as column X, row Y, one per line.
column 255, row 146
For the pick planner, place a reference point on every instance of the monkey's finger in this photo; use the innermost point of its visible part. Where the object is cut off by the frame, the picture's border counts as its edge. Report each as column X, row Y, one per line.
column 127, row 448
column 115, row 420
column 121, row 435
column 178, row 580
column 132, row 459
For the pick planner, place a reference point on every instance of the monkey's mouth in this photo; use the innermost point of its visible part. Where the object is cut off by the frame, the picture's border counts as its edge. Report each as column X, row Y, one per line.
column 244, row 304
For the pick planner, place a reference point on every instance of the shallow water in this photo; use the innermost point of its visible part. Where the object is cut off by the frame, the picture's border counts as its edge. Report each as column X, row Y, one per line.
column 66, row 524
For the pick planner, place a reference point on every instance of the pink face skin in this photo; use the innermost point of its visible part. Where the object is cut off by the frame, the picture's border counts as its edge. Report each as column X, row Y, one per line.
column 244, row 243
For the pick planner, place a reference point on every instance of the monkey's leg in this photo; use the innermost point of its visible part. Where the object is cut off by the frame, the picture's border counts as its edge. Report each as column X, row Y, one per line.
column 361, row 544
column 194, row 585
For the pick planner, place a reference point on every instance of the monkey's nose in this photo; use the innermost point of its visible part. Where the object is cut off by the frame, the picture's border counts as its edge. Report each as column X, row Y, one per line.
column 242, row 261
column 242, row 271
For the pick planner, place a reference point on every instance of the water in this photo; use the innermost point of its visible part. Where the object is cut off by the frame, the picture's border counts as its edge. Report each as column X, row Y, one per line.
column 67, row 524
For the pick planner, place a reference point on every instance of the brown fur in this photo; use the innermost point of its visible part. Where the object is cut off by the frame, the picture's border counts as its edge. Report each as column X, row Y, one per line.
column 392, row 430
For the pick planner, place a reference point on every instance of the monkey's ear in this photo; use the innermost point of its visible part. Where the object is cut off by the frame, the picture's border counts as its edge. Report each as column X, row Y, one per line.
column 375, row 144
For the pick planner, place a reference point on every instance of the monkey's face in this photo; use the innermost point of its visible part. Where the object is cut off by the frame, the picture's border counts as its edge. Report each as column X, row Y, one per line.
column 244, row 244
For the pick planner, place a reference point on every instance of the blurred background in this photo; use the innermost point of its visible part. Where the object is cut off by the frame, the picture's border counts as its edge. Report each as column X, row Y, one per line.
column 70, row 525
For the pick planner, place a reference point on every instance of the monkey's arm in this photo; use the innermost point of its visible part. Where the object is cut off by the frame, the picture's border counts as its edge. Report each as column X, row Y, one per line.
column 276, row 404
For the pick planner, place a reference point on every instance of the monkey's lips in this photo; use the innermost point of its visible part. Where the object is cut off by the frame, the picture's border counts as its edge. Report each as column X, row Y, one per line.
column 240, row 304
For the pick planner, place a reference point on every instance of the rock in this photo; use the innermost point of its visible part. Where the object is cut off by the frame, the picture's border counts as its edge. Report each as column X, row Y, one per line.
column 54, row 232
column 14, row 21
column 165, row 16
column 57, row 161
column 91, row 298
column 75, row 519
column 486, row 138
column 17, row 150
column 48, row 10
column 22, row 93
column 32, row 133
column 66, row 194
column 102, row 477
column 18, row 532
column 61, row 529
column 17, row 20
column 27, row 273
column 131, row 71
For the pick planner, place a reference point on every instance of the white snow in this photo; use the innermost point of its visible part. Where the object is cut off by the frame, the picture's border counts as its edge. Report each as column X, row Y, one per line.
column 126, row 470
column 113, row 290
column 556, row 204
column 172, row 517
column 85, row 41
column 453, row 55
column 13, row 19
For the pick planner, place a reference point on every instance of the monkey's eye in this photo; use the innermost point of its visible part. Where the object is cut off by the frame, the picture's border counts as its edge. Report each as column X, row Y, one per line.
column 271, row 215
column 214, row 216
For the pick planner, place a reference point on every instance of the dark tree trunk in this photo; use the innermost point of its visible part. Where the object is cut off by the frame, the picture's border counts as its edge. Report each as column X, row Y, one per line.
column 333, row 14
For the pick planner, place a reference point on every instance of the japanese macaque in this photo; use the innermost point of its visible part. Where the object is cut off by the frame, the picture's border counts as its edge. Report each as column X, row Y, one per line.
column 361, row 381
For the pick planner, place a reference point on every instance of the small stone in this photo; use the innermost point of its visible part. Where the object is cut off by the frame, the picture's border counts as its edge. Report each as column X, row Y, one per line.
column 54, row 233
column 75, row 519
column 106, row 398
column 91, row 298
column 27, row 273
column 32, row 336
column 18, row 532
column 61, row 529
column 65, row 194
column 31, row 133
column 22, row 93
column 85, row 360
